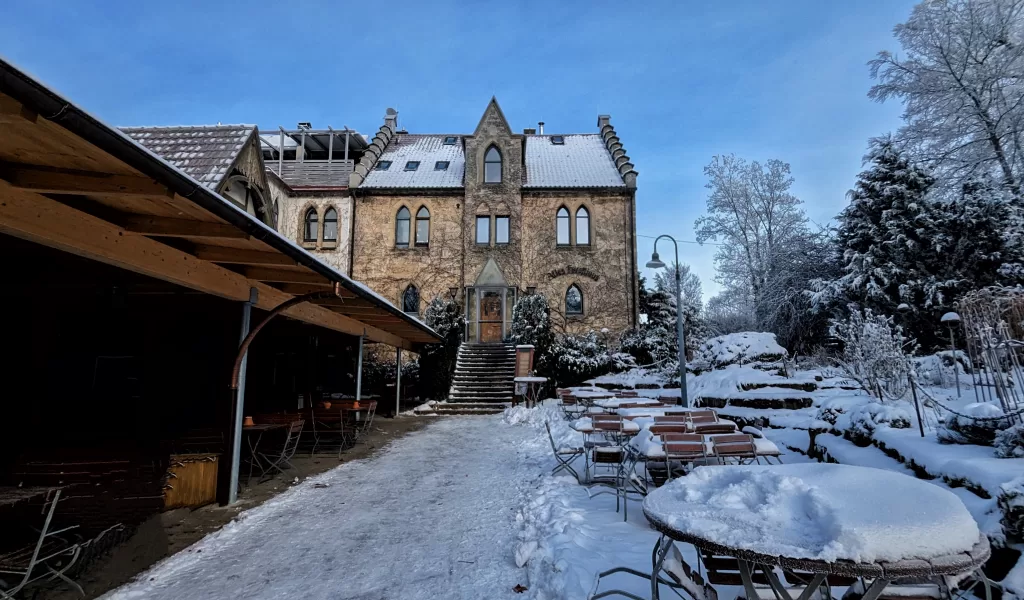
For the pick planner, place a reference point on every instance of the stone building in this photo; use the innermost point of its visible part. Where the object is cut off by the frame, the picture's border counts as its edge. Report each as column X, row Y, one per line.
column 488, row 216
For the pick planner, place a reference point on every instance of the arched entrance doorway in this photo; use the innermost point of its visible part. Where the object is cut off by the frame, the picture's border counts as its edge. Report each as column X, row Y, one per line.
column 489, row 305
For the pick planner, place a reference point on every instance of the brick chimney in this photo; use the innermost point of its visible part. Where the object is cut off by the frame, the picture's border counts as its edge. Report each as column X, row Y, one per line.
column 391, row 119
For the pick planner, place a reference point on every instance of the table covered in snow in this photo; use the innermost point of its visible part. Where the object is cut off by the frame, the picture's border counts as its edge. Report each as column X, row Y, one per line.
column 822, row 518
column 591, row 393
column 612, row 403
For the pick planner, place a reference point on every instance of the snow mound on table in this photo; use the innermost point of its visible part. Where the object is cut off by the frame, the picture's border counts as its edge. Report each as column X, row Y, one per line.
column 816, row 511
column 739, row 349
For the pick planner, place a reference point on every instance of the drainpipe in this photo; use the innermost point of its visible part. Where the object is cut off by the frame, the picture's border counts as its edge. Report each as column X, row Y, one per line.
column 238, row 374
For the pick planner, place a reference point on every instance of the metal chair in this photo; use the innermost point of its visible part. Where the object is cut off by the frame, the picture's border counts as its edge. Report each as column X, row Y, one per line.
column 54, row 554
column 291, row 444
column 736, row 446
column 668, row 568
column 564, row 456
column 682, row 448
column 627, row 394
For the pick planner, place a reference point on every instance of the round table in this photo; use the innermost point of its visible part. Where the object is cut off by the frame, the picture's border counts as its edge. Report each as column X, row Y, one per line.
column 819, row 518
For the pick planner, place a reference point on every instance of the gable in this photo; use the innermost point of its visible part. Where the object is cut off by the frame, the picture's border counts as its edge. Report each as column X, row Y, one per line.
column 493, row 119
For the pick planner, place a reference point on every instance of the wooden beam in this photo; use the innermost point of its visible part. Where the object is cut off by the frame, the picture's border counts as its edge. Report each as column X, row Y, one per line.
column 42, row 220
column 284, row 275
column 185, row 228
column 47, row 180
column 241, row 256
column 11, row 110
column 298, row 289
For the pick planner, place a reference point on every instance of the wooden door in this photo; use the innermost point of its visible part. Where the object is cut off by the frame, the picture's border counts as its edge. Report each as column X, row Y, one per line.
column 490, row 317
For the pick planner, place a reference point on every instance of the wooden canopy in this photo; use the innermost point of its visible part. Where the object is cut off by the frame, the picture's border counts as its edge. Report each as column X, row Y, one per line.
column 70, row 182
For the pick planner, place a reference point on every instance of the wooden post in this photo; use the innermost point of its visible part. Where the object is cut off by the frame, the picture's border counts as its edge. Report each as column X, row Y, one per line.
column 398, row 381
column 917, row 405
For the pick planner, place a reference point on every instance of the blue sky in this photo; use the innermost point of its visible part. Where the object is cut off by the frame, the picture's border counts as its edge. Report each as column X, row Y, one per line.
column 682, row 80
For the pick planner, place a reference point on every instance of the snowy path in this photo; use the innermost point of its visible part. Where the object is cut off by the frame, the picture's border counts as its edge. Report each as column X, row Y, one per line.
column 431, row 516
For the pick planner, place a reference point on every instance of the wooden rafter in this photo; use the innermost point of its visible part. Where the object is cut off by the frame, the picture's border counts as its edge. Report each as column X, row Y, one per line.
column 12, row 110
column 284, row 275
column 241, row 256
column 186, row 228
column 45, row 221
column 298, row 289
column 46, row 180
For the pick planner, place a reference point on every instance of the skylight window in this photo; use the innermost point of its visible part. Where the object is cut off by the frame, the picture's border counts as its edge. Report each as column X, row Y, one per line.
column 558, row 140
column 441, row 165
column 383, row 165
column 412, row 165
column 450, row 140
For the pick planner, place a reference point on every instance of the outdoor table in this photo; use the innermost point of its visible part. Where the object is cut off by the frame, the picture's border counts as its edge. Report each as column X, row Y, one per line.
column 820, row 518
column 651, row 411
column 530, row 387
column 253, row 436
column 613, row 403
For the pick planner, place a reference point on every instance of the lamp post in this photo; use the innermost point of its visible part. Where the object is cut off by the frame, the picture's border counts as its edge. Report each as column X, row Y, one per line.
column 951, row 319
column 656, row 263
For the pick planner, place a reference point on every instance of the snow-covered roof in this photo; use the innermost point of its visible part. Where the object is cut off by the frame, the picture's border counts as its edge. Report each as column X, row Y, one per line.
column 428, row 150
column 582, row 161
column 203, row 152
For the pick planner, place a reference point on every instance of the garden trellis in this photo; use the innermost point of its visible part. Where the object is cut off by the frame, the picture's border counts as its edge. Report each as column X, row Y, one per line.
column 993, row 320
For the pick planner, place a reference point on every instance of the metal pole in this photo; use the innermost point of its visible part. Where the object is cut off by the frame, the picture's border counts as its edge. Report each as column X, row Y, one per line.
column 280, row 154
column 239, row 406
column 330, row 146
column 359, row 370
column 680, row 332
column 347, row 134
column 917, row 405
column 956, row 363
column 398, row 380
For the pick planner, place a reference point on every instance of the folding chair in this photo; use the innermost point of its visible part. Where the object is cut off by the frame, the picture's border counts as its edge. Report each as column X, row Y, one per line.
column 725, row 570
column 564, row 456
column 734, row 446
column 571, row 407
column 627, row 394
column 284, row 458
column 707, row 422
column 326, row 424
column 668, row 568
column 48, row 557
column 682, row 448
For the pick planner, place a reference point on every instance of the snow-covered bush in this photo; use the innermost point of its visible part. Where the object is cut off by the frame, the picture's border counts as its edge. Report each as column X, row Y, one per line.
column 875, row 353
column 649, row 344
column 738, row 349
column 978, row 425
column 1009, row 442
column 1011, row 504
column 938, row 369
column 437, row 361
column 866, row 418
column 531, row 325
column 576, row 358
column 830, row 411
column 620, row 362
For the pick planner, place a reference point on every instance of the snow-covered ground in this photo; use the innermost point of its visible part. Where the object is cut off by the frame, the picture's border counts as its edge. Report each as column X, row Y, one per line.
column 431, row 516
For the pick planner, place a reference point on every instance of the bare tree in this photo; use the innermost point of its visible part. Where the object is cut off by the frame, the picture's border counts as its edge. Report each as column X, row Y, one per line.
column 693, row 293
column 962, row 85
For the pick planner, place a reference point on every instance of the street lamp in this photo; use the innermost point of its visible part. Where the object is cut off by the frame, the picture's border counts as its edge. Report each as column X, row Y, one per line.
column 656, row 263
column 951, row 319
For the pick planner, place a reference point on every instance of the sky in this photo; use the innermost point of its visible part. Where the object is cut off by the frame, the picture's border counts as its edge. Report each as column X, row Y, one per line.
column 682, row 80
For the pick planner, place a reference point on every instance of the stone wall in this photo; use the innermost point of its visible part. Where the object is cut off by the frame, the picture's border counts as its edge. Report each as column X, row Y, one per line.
column 292, row 209
column 388, row 270
column 602, row 270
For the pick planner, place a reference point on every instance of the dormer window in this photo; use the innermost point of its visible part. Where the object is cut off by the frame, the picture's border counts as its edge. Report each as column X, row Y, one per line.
column 558, row 140
column 412, row 165
column 383, row 165
column 450, row 140
column 441, row 165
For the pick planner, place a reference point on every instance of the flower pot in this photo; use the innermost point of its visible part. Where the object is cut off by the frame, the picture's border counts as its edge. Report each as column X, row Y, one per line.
column 248, row 422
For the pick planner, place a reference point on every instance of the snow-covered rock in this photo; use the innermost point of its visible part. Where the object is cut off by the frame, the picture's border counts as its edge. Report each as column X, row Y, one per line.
column 738, row 349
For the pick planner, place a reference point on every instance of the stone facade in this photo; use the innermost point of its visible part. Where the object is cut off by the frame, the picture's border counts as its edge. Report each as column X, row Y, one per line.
column 293, row 207
column 604, row 269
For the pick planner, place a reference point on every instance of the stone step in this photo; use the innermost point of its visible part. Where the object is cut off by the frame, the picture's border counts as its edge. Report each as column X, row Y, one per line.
column 503, row 400
column 464, row 406
column 494, row 385
column 480, row 394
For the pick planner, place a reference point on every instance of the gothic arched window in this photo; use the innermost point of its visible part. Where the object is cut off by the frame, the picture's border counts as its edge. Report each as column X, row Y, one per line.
column 422, row 226
column 562, row 226
column 310, row 226
column 411, row 300
column 582, row 227
column 574, row 300
column 402, row 228
column 331, row 225
column 492, row 166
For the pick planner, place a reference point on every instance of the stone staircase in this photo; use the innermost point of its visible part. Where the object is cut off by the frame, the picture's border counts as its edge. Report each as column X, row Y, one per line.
column 483, row 380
